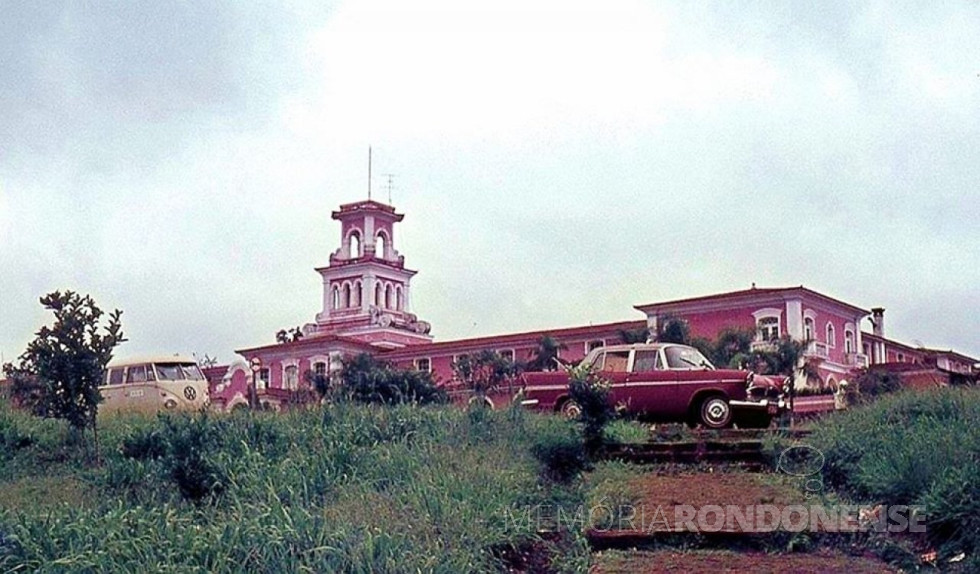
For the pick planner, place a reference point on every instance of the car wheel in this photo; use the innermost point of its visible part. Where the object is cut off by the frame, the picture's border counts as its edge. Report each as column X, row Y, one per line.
column 570, row 409
column 716, row 413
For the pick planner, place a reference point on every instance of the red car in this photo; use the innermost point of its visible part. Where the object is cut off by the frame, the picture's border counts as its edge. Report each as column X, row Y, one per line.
column 666, row 382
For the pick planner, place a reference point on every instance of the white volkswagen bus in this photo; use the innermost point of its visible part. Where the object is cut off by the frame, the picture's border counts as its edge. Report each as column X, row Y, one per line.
column 150, row 384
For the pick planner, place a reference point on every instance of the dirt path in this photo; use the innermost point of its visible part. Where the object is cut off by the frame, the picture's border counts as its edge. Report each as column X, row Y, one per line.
column 717, row 561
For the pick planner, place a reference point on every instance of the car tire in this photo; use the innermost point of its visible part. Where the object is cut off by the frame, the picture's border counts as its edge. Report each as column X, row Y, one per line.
column 570, row 409
column 715, row 412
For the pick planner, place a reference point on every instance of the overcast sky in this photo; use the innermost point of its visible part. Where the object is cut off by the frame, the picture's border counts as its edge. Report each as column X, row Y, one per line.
column 557, row 162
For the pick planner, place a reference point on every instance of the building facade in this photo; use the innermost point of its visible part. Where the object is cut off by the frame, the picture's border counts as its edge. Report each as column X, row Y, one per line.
column 366, row 308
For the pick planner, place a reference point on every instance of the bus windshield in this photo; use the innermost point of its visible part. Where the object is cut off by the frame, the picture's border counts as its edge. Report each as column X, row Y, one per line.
column 178, row 372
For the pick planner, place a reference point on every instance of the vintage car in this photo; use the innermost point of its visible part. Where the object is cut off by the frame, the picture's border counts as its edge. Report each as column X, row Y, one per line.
column 664, row 382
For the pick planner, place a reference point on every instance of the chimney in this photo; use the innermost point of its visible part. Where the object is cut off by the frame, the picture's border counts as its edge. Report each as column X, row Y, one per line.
column 878, row 321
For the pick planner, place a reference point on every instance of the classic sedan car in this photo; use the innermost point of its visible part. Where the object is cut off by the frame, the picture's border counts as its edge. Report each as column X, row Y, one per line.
column 664, row 382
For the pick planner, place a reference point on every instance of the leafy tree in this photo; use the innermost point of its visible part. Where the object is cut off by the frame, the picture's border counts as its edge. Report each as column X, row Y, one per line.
column 545, row 356
column 673, row 330
column 640, row 335
column 484, row 372
column 731, row 342
column 207, row 361
column 365, row 379
column 284, row 336
column 68, row 359
column 319, row 382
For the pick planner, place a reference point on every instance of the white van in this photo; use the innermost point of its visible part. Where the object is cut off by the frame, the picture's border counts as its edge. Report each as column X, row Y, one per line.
column 150, row 384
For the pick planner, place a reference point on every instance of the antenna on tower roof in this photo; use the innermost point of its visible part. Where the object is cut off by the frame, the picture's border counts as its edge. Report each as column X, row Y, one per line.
column 391, row 184
column 369, row 173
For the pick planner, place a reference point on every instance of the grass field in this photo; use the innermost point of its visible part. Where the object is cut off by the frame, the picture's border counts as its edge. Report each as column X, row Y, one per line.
column 345, row 488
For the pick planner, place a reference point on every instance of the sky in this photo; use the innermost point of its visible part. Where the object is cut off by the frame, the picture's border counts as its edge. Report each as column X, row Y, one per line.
column 557, row 162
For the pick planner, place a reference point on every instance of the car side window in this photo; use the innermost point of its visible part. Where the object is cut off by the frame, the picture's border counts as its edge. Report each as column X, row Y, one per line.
column 615, row 361
column 646, row 361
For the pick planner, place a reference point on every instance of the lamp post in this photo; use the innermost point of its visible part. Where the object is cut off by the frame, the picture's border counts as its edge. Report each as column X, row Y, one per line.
column 256, row 365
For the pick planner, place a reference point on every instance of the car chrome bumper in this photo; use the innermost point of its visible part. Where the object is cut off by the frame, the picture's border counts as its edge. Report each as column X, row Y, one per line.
column 771, row 407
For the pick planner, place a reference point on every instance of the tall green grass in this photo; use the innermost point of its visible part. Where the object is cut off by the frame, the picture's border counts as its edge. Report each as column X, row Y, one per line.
column 345, row 488
column 913, row 448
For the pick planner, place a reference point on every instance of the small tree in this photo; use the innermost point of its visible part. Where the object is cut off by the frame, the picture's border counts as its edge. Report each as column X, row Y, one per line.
column 673, row 330
column 592, row 395
column 68, row 359
column 484, row 372
column 319, row 382
column 545, row 356
column 365, row 379
column 732, row 342
column 640, row 335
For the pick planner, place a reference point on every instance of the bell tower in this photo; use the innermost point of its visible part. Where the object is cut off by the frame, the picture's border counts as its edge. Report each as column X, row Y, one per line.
column 366, row 293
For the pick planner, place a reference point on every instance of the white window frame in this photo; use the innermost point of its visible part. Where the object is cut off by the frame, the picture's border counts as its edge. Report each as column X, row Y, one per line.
column 427, row 361
column 830, row 333
column 589, row 345
column 764, row 314
column 263, row 378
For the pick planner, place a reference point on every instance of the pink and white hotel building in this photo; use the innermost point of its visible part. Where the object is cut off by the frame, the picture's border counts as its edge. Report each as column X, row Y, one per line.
column 366, row 308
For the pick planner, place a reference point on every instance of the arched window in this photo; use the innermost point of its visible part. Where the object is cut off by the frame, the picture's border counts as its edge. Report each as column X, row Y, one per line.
column 767, row 324
column 346, row 295
column 389, row 299
column 380, row 243
column 768, row 328
column 831, row 338
column 354, row 247
column 808, row 329
column 377, row 294
column 356, row 295
column 398, row 298
column 848, row 341
column 336, row 297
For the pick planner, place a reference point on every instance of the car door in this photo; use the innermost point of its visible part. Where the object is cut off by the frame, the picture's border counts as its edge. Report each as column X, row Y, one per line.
column 651, row 387
column 613, row 365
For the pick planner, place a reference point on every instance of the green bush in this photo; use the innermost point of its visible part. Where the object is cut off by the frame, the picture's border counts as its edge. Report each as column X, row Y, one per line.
column 592, row 394
column 371, row 381
column 916, row 448
column 560, row 451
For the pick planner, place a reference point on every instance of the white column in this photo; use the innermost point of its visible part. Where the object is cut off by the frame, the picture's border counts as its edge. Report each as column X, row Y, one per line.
column 794, row 319
column 369, row 231
column 367, row 297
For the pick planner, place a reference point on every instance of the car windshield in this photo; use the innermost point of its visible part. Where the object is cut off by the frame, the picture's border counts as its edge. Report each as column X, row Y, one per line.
column 679, row 357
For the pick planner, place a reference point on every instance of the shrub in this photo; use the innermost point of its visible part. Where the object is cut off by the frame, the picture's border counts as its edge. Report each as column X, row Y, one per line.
column 187, row 447
column 591, row 393
column 369, row 380
column 12, row 436
column 560, row 452
column 914, row 448
column 872, row 383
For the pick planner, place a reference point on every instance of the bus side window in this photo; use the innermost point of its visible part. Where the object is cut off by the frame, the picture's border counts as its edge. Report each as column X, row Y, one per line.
column 136, row 374
column 115, row 376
